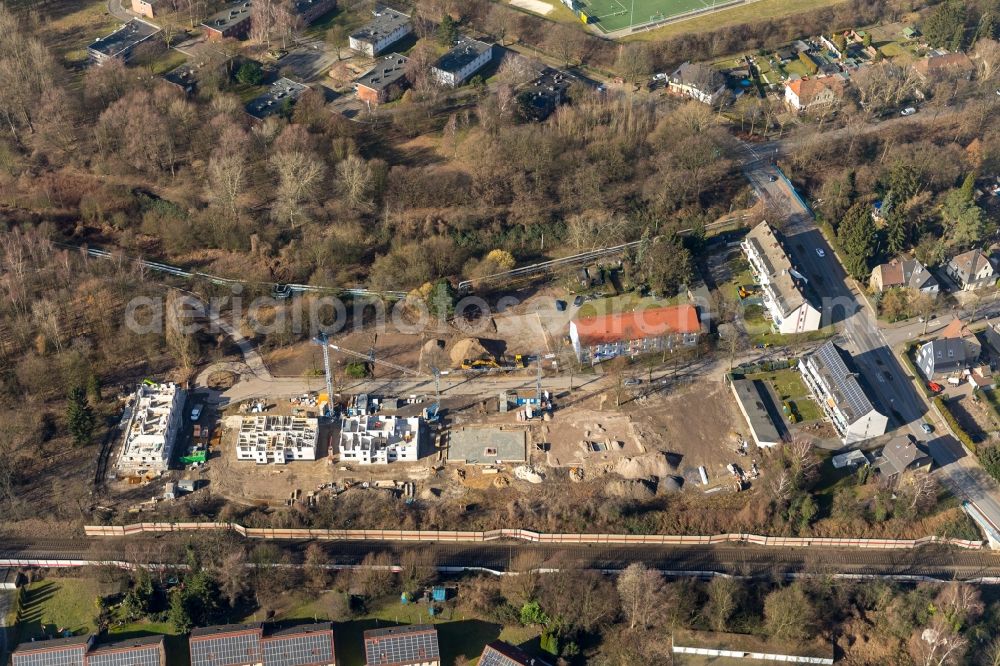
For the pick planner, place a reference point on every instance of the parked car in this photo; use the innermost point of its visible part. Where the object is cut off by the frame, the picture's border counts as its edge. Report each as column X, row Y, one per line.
column 927, row 427
column 578, row 301
column 908, row 111
column 633, row 381
column 772, row 179
column 820, row 253
column 560, row 305
column 196, row 411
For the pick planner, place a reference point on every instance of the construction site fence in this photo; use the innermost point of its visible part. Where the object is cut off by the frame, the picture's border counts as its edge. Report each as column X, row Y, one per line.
column 432, row 536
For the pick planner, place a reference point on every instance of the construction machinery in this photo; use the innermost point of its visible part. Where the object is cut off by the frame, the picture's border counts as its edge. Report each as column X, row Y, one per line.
column 486, row 362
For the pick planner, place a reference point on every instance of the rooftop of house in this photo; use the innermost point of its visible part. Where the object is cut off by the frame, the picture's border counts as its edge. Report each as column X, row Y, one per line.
column 499, row 653
column 789, row 294
column 386, row 72
column 638, row 324
column 229, row 645
column 904, row 273
column 393, row 646
column 461, row 55
column 902, row 452
column 66, row 643
column 271, row 102
column 699, row 76
column 124, row 38
column 946, row 352
column 943, row 64
column 841, row 381
column 969, row 263
column 479, row 446
column 385, row 22
column 234, row 13
column 144, row 651
column 806, row 89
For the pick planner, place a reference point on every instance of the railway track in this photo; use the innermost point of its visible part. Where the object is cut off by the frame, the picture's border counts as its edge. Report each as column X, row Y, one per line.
column 939, row 562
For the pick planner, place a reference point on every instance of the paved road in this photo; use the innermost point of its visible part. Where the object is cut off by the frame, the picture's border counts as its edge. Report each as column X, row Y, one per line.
column 935, row 561
column 881, row 372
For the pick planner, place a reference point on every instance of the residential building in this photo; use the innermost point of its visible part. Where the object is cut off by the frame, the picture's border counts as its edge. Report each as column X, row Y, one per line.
column 232, row 22
column 465, row 59
column 414, row 645
column 941, row 357
column 956, row 349
column 971, row 270
column 384, row 82
column 698, row 81
column 310, row 10
column 787, row 306
column 499, row 653
column 154, row 420
column 904, row 454
column 277, row 439
column 377, row 439
column 753, row 399
column 257, row 644
column 122, row 42
column 945, row 65
column 86, row 651
column 604, row 337
column 908, row 273
column 838, row 392
column 279, row 98
column 145, row 8
column 386, row 28
column 810, row 94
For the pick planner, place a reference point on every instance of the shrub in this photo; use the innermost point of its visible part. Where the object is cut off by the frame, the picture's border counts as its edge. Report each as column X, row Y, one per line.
column 250, row 73
column 953, row 424
column 990, row 458
column 357, row 370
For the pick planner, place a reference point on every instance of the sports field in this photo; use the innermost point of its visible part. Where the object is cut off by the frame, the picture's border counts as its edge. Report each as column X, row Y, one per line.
column 613, row 15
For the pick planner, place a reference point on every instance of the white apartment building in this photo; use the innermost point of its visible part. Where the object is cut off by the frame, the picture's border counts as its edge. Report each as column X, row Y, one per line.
column 460, row 63
column 841, row 397
column 153, row 424
column 387, row 28
column 376, row 439
column 786, row 304
column 277, row 439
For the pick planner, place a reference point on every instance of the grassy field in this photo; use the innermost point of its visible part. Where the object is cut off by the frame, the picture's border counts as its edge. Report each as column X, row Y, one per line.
column 612, row 15
column 789, row 386
column 457, row 634
column 754, row 11
column 58, row 605
column 624, row 303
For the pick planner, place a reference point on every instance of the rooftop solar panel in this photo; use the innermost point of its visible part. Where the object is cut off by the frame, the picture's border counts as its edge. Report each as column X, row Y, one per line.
column 499, row 653
column 842, row 381
column 398, row 646
column 233, row 649
column 299, row 649
column 48, row 653
column 144, row 655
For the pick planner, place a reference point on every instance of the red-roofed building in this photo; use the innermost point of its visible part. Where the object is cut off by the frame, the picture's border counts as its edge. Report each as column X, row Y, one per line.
column 597, row 339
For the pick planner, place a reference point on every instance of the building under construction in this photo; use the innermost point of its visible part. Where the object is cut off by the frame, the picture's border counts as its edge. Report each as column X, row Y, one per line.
column 277, row 439
column 378, row 439
column 154, row 420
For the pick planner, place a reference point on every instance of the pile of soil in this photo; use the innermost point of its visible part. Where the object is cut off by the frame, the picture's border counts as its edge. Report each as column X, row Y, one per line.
column 655, row 465
column 632, row 490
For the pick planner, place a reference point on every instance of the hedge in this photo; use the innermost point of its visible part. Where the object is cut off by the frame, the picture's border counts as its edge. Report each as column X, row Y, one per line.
column 953, row 424
column 908, row 359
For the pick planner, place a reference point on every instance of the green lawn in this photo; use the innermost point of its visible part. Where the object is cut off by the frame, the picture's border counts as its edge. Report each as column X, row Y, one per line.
column 789, row 386
column 56, row 606
column 612, row 15
column 625, row 303
column 751, row 12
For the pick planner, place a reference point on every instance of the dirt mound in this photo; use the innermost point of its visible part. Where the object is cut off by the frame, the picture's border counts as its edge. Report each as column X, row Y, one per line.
column 648, row 466
column 670, row 484
column 625, row 489
column 432, row 354
column 466, row 348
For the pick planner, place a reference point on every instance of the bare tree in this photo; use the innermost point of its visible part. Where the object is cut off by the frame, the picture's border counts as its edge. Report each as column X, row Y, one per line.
column 499, row 23
column 299, row 178
column 565, row 42
column 356, row 180
column 227, row 169
column 638, row 588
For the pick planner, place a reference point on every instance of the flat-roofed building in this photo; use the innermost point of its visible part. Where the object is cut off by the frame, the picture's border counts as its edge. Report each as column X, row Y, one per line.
column 277, row 439
column 121, row 43
column 384, row 82
column 604, row 337
column 487, row 446
column 231, row 22
column 310, row 10
column 378, row 439
column 257, row 644
column 838, row 392
column 465, row 59
column 414, row 645
column 753, row 401
column 154, row 421
column 69, row 651
column 385, row 29
column 786, row 303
